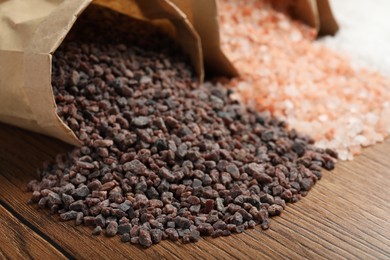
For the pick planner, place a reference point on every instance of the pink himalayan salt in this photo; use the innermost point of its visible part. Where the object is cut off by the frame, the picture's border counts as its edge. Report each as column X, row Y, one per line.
column 316, row 90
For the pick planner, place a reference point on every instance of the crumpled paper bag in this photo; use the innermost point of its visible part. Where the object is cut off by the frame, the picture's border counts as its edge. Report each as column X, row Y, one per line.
column 203, row 15
column 30, row 32
column 315, row 13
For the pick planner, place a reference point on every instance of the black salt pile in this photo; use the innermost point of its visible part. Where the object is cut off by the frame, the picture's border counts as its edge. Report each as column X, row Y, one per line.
column 164, row 157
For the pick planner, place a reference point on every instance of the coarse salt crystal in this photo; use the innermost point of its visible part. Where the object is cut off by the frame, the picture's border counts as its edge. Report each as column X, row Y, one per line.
column 284, row 25
column 296, row 36
column 323, row 118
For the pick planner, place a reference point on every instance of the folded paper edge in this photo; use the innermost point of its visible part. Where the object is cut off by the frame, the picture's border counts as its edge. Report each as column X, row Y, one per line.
column 37, row 82
column 328, row 23
column 180, row 21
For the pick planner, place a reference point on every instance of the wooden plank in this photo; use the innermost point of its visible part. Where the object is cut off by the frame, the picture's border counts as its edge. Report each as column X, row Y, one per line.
column 344, row 216
column 17, row 241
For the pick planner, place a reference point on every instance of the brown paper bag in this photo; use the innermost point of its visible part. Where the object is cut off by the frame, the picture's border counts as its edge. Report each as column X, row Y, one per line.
column 30, row 31
column 328, row 23
column 317, row 14
column 203, row 14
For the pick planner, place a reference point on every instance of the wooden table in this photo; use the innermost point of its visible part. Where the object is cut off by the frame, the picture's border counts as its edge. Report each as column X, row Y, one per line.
column 346, row 215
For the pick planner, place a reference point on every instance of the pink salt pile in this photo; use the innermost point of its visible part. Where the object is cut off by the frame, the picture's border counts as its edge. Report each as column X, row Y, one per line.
column 316, row 90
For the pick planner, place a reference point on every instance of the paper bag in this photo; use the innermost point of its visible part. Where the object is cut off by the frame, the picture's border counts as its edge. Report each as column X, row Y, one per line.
column 30, row 32
column 315, row 13
column 203, row 15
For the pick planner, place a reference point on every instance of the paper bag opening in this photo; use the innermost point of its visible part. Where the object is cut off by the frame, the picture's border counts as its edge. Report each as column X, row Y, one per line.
column 30, row 32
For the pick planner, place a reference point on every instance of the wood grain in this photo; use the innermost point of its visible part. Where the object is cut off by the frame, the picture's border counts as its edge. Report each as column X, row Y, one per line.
column 344, row 216
column 20, row 242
